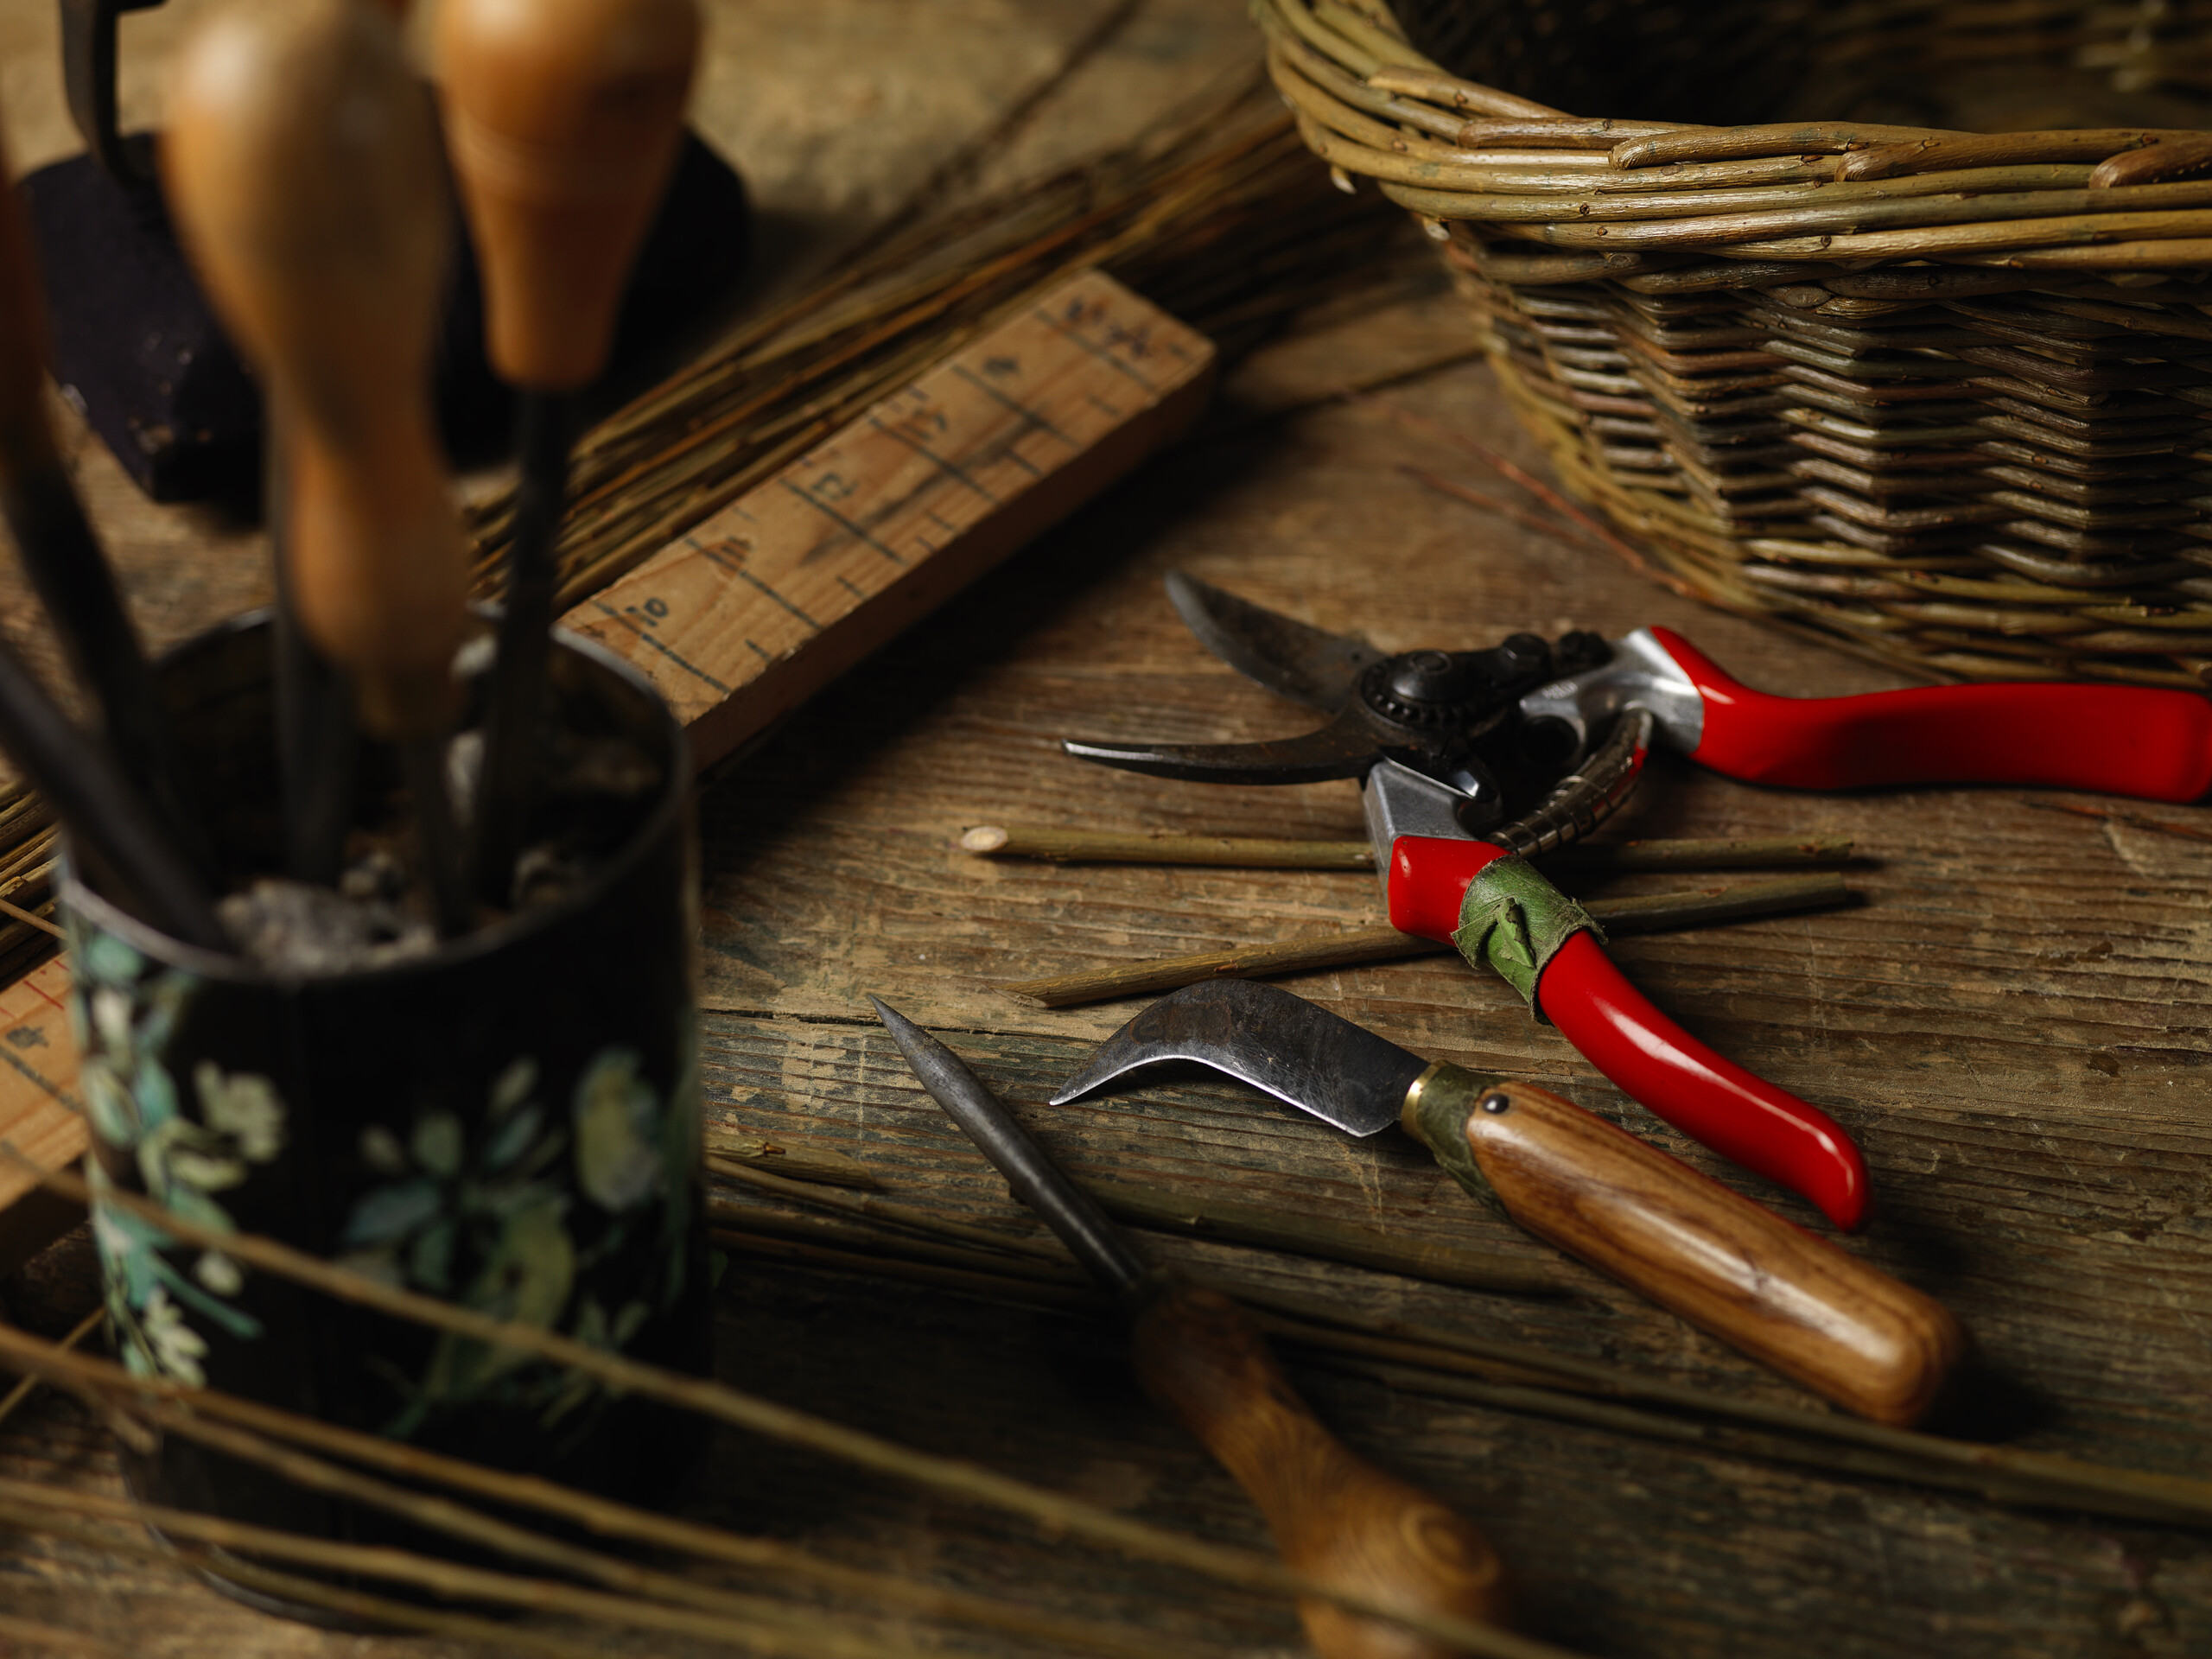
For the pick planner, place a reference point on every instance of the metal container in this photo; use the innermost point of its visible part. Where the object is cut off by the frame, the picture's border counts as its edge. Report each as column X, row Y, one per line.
column 511, row 1123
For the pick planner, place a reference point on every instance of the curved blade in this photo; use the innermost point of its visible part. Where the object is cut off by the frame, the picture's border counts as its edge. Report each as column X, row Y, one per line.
column 1345, row 747
column 1341, row 1073
column 1302, row 663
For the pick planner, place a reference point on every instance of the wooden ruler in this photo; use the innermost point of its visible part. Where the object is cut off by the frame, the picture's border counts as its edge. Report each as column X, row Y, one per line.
column 764, row 603
column 40, row 1114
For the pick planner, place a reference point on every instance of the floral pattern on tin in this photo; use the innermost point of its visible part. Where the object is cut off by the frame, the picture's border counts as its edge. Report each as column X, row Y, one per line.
column 508, row 1220
column 125, row 1013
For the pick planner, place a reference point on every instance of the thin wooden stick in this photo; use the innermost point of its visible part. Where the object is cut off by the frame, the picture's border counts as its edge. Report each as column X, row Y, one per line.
column 27, row 1503
column 22, row 1390
column 1074, row 1517
column 1161, row 847
column 795, row 1161
column 1529, row 1378
column 41, row 1637
column 1650, row 913
column 1057, row 844
column 890, row 1211
column 603, row 1517
column 31, row 918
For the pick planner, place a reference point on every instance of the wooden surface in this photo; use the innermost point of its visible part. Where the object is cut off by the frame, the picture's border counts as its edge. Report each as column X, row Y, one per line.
column 2016, row 1021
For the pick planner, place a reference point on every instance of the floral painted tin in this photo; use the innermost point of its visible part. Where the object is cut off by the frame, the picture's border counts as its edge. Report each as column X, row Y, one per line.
column 511, row 1123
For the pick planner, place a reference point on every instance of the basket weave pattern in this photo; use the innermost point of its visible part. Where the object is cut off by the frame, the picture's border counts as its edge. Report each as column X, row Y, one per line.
column 1942, row 393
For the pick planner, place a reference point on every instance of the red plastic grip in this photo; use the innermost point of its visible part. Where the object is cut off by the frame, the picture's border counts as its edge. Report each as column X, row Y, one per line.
column 2117, row 740
column 1711, row 1099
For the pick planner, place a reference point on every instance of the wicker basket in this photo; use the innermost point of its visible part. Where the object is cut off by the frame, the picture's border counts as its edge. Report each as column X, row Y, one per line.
column 1939, row 392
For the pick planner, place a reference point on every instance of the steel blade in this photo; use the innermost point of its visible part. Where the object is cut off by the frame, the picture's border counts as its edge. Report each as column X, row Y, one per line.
column 1341, row 1073
column 1289, row 657
column 1345, row 747
column 1037, row 1181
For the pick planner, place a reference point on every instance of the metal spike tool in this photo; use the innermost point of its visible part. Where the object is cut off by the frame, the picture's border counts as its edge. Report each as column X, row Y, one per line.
column 1335, row 1517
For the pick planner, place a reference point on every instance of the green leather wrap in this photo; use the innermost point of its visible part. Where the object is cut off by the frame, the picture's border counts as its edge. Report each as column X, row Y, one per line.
column 1514, row 920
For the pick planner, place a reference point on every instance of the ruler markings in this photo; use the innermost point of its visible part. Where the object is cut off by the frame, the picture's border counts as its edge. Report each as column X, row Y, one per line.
column 1036, row 422
column 1105, row 354
column 950, row 469
column 843, row 523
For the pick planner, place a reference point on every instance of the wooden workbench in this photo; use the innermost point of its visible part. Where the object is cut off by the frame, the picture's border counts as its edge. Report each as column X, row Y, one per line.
column 2015, row 1020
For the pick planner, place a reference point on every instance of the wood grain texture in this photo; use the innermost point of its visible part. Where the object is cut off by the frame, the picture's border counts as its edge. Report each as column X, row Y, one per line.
column 1791, row 1300
column 1334, row 1517
column 2016, row 1020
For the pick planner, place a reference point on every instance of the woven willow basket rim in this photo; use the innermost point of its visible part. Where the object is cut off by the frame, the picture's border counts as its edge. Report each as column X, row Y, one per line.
column 1846, row 225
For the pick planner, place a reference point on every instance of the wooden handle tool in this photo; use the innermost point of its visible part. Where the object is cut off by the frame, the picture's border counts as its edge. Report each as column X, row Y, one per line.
column 1336, row 1518
column 564, row 119
column 301, row 162
column 1733, row 1267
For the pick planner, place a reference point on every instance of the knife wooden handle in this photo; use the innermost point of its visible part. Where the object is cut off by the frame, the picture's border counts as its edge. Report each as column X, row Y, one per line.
column 1730, row 1267
column 564, row 117
column 1335, row 1517
column 301, row 162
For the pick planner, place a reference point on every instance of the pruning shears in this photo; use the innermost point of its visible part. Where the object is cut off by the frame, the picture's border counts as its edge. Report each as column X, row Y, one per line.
column 1472, row 761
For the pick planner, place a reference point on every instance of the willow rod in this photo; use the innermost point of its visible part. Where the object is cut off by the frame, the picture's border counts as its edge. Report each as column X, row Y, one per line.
column 603, row 1517
column 1059, row 844
column 1645, row 913
column 24, row 1501
column 1553, row 1384
column 1243, row 1568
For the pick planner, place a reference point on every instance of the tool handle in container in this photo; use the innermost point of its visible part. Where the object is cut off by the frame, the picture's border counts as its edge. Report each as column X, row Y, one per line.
column 565, row 119
column 1708, row 1097
column 1336, row 1518
column 1795, row 1303
column 2117, row 740
column 301, row 162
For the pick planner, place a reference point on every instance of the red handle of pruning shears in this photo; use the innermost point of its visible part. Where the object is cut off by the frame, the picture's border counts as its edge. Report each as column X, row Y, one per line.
column 1712, row 1099
column 2116, row 739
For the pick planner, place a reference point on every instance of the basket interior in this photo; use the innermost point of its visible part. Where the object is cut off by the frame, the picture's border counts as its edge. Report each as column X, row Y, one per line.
column 1992, row 66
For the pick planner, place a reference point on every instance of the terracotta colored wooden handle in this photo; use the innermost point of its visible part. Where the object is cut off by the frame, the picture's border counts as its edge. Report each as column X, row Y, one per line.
column 564, row 117
column 1730, row 1267
column 301, row 160
column 1335, row 1518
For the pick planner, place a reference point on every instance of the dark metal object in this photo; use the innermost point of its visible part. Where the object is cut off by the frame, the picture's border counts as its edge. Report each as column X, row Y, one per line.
column 1450, row 715
column 1072, row 1214
column 78, row 589
column 514, row 723
column 1584, row 798
column 1270, row 1039
column 1290, row 658
column 104, row 810
column 88, row 54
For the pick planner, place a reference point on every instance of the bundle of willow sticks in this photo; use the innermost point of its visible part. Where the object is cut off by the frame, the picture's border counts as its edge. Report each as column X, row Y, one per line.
column 777, row 1611
column 1942, row 393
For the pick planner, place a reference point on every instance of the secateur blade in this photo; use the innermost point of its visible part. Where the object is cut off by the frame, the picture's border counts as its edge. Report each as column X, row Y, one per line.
column 1344, row 748
column 1291, row 659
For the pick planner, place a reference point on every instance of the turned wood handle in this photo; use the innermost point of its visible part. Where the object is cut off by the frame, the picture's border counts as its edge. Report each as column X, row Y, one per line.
column 301, row 160
column 1730, row 1267
column 564, row 119
column 1335, row 1518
